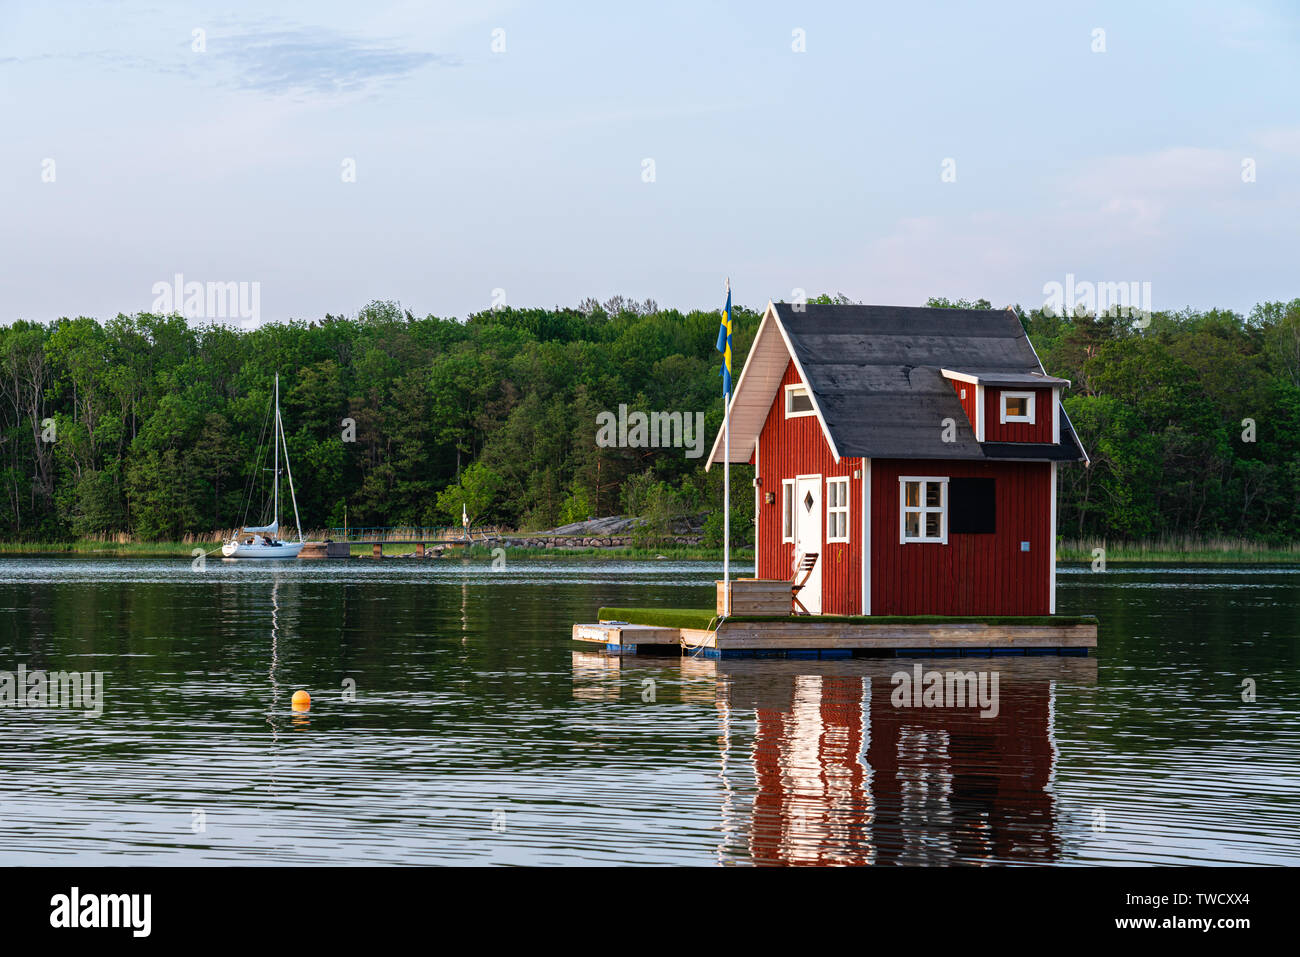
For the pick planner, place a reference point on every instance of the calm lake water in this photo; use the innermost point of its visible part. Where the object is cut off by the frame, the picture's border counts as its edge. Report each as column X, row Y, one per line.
column 481, row 734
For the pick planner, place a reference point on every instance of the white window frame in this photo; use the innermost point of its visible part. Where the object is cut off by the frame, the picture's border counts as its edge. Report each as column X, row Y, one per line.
column 846, row 487
column 789, row 391
column 787, row 510
column 923, row 509
column 1029, row 405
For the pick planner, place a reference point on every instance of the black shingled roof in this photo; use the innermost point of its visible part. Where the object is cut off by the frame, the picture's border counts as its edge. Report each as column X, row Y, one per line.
column 875, row 372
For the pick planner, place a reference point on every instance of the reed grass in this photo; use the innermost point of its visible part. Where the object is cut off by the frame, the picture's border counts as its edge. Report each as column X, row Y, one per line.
column 1171, row 550
column 1174, row 550
column 673, row 552
column 123, row 545
column 94, row 547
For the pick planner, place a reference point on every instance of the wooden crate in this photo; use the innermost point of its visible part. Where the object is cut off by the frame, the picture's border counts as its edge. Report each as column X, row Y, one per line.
column 754, row 596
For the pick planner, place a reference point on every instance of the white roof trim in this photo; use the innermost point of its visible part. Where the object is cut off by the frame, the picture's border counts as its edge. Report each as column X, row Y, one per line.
column 716, row 453
column 742, row 444
column 812, row 394
column 1052, row 382
column 1087, row 462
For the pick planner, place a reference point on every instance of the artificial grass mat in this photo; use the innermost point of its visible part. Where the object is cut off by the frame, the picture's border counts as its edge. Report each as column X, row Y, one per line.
column 706, row 618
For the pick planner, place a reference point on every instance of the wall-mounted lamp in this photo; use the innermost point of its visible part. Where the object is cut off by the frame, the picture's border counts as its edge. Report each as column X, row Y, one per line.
column 769, row 498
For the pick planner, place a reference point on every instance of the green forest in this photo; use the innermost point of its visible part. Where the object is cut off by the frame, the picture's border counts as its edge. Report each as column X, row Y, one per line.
column 150, row 426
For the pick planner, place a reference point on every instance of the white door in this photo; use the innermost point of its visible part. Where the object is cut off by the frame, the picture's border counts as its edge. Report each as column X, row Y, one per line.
column 808, row 537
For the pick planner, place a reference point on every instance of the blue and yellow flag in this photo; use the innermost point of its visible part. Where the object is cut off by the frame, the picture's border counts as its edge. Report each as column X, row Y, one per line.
column 724, row 344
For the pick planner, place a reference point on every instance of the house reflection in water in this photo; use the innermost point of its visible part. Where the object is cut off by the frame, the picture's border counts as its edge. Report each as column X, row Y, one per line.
column 819, row 766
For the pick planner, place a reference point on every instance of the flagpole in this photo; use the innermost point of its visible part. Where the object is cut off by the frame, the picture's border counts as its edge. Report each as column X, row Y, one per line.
column 726, row 473
column 726, row 497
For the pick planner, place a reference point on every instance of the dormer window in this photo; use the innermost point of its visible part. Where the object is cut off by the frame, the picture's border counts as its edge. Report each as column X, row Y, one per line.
column 797, row 401
column 1018, row 407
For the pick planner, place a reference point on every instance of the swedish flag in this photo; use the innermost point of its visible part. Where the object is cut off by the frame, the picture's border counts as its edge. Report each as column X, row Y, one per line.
column 724, row 344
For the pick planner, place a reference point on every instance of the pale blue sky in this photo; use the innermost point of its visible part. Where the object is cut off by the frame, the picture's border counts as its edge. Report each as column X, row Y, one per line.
column 522, row 170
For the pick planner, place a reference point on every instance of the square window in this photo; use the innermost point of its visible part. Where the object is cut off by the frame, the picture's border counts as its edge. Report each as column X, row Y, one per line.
column 923, row 510
column 797, row 401
column 1017, row 407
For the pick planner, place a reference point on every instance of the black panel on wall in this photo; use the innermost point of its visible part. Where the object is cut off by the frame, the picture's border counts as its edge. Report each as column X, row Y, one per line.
column 972, row 506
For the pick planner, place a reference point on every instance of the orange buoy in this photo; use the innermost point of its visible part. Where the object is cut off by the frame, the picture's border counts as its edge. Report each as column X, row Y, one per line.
column 301, row 701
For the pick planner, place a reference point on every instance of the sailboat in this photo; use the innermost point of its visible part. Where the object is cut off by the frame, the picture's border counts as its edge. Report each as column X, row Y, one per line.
column 262, row 541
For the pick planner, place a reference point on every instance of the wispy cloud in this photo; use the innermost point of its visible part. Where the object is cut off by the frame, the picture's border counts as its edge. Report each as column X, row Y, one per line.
column 314, row 61
column 273, row 59
column 1138, row 192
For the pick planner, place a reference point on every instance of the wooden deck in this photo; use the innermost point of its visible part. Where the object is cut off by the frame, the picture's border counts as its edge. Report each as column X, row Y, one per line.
column 593, row 668
column 344, row 549
column 628, row 638
column 325, row 550
column 810, row 638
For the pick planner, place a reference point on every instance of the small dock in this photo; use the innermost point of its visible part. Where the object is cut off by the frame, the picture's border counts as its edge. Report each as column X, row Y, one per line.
column 698, row 633
column 344, row 549
column 325, row 550
column 427, row 542
column 628, row 639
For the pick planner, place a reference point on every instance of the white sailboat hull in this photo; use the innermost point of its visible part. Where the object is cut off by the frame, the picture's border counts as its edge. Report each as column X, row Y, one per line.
column 240, row 550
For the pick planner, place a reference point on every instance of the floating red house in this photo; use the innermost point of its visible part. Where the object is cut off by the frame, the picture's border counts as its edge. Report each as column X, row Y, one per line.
column 913, row 451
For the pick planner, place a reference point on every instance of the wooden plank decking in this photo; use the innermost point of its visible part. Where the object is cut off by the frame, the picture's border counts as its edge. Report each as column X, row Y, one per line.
column 740, row 638
column 324, row 550
column 627, row 637
column 813, row 634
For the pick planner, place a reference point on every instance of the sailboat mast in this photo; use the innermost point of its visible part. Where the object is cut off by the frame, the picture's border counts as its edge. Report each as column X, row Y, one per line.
column 288, row 471
column 276, row 440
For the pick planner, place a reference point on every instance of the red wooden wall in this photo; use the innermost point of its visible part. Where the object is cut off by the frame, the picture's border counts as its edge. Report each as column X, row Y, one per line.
column 997, row 431
column 967, row 403
column 792, row 447
column 811, row 783
column 996, row 771
column 972, row 574
column 820, row 800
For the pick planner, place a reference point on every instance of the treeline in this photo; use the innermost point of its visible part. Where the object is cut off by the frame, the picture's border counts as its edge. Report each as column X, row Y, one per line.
column 159, row 427
column 151, row 426
column 1192, row 423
